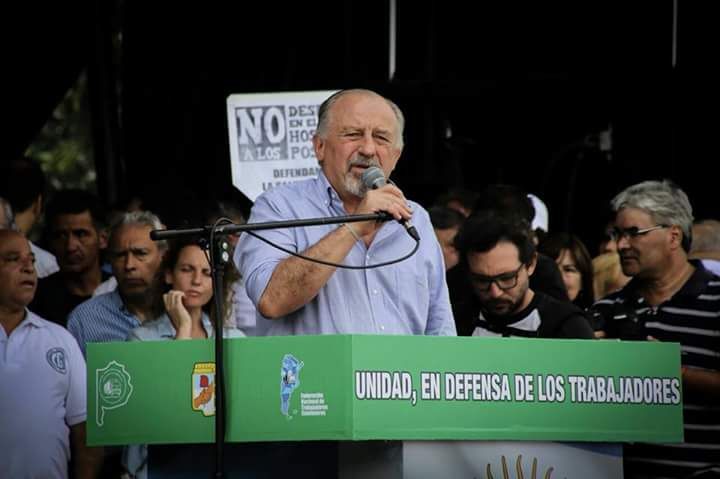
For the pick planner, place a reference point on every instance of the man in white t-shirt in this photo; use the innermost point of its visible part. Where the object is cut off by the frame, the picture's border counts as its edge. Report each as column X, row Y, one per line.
column 43, row 377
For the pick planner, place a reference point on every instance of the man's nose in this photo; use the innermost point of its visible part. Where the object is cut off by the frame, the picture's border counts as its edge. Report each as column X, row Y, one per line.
column 495, row 291
column 622, row 242
column 72, row 243
column 28, row 264
column 368, row 146
column 130, row 262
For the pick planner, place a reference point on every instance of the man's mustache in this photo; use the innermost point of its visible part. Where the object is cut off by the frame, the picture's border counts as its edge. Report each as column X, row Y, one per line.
column 364, row 162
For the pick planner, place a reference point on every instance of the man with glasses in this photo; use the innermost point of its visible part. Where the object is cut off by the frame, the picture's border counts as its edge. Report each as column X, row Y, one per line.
column 500, row 255
column 669, row 298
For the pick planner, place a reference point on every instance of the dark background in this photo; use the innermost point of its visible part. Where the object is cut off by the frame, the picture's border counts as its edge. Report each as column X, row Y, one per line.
column 506, row 92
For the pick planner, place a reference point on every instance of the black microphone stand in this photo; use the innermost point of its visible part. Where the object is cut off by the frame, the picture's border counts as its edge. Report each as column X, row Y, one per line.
column 215, row 236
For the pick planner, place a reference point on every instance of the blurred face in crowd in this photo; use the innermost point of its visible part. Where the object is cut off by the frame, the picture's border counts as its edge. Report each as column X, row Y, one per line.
column 362, row 131
column 500, row 281
column 445, row 238
column 4, row 220
column 645, row 254
column 17, row 271
column 75, row 242
column 570, row 273
column 135, row 260
column 191, row 275
column 608, row 243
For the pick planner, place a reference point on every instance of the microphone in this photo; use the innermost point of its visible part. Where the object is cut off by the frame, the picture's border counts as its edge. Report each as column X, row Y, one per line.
column 374, row 178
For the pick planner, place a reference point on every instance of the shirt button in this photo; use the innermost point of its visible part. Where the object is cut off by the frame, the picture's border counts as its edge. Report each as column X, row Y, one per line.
column 375, row 291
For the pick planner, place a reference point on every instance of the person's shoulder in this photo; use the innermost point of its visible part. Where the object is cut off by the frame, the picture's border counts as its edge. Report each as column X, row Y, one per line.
column 615, row 297
column 91, row 307
column 551, row 306
column 287, row 190
column 53, row 330
column 419, row 211
column 562, row 319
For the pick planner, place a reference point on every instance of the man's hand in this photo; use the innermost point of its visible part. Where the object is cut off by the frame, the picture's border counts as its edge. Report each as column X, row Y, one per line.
column 389, row 199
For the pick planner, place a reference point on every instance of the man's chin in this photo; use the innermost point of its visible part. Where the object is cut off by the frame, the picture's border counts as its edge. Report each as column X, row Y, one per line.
column 135, row 292
column 500, row 309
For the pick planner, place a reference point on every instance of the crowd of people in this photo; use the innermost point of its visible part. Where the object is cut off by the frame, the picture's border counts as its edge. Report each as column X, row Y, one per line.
column 487, row 266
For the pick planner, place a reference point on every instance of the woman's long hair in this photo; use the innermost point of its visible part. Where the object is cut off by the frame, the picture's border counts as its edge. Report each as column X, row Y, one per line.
column 554, row 244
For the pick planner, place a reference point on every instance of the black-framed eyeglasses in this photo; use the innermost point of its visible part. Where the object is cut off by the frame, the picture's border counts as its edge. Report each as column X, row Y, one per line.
column 504, row 281
column 633, row 232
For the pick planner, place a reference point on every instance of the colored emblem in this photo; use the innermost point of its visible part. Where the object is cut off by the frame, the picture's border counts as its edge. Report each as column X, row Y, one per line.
column 289, row 380
column 203, row 388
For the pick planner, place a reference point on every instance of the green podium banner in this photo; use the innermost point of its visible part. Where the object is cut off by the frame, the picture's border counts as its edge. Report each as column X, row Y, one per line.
column 349, row 387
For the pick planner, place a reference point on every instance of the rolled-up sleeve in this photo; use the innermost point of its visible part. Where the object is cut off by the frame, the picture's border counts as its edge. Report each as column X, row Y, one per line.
column 255, row 259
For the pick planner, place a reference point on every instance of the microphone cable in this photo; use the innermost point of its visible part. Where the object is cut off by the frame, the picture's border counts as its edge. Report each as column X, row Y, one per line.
column 336, row 265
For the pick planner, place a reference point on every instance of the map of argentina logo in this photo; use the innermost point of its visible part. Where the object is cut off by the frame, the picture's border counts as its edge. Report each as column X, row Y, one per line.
column 113, row 388
column 289, row 381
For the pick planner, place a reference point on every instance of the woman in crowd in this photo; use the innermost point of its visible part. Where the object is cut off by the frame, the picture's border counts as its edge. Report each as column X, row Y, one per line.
column 184, row 292
column 575, row 264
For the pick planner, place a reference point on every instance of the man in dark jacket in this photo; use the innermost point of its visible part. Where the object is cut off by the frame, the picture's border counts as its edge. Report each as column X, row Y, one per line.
column 500, row 256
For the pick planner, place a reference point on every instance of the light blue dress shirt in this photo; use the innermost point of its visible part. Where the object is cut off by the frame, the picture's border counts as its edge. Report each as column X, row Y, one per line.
column 409, row 297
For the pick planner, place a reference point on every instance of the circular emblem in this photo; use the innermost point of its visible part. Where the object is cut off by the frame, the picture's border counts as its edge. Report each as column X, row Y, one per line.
column 56, row 359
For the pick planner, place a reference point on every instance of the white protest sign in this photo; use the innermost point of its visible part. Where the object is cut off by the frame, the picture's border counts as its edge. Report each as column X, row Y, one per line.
column 271, row 138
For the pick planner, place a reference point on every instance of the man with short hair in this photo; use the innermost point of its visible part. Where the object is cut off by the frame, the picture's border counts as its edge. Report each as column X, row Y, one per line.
column 357, row 129
column 135, row 260
column 669, row 298
column 501, row 200
column 22, row 184
column 42, row 372
column 76, row 235
column 500, row 256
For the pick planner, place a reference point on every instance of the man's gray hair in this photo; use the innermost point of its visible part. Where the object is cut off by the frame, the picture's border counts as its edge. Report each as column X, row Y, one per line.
column 138, row 218
column 9, row 220
column 326, row 107
column 664, row 201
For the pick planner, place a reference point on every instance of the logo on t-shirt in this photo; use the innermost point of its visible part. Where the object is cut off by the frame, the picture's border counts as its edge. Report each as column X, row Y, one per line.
column 56, row 359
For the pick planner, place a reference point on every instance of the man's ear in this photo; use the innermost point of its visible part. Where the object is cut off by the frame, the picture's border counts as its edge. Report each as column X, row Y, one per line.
column 319, row 147
column 676, row 237
column 533, row 263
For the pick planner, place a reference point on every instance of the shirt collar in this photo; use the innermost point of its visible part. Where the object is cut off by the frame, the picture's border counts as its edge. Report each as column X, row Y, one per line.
column 119, row 303
column 326, row 191
column 32, row 319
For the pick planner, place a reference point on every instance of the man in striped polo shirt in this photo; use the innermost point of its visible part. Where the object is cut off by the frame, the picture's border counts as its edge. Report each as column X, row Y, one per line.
column 669, row 298
column 135, row 259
